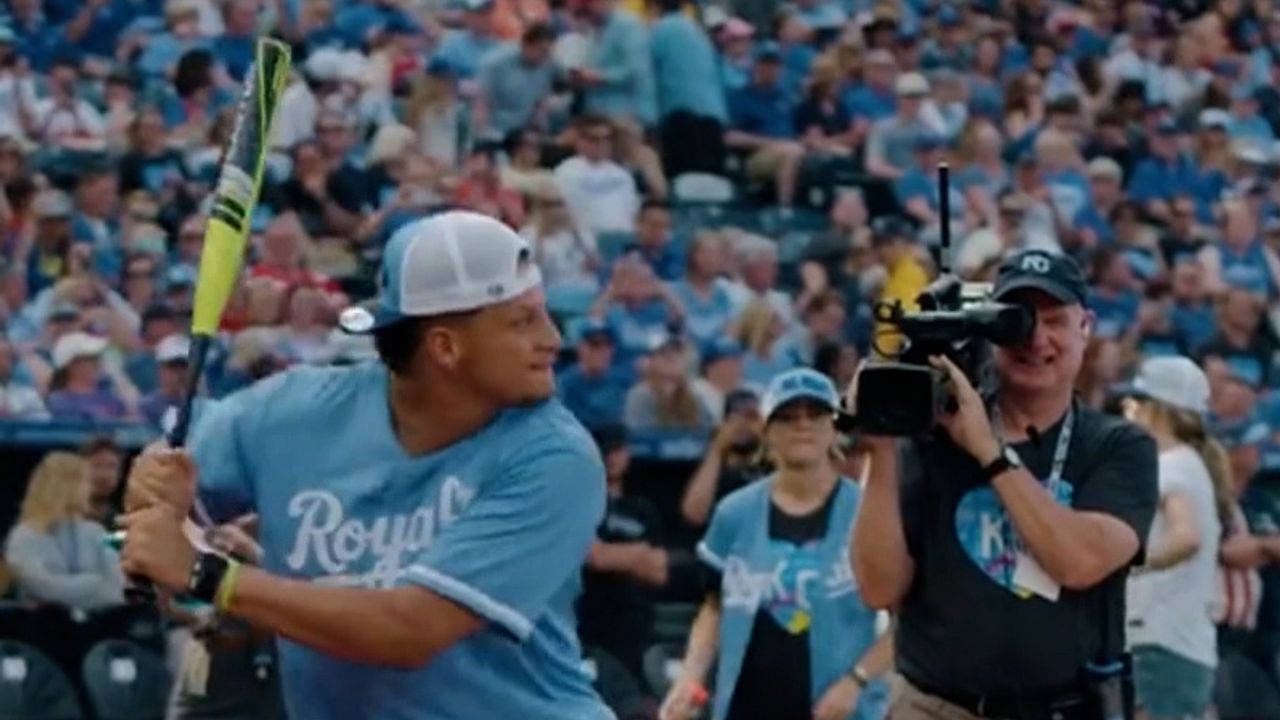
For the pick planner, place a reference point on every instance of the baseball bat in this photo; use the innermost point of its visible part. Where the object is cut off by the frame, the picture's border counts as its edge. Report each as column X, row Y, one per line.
column 234, row 199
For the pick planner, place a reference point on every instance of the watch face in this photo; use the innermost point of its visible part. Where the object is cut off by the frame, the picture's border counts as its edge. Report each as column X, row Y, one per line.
column 1012, row 456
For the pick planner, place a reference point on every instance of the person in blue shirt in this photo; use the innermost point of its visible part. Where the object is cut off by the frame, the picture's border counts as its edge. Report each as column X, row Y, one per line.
column 780, row 587
column 424, row 519
column 918, row 191
column 234, row 48
column 1241, row 260
column 1165, row 174
column 653, row 241
column 872, row 99
column 762, row 123
column 592, row 388
column 1112, row 297
column 1246, row 124
column 686, row 72
column 465, row 49
column 636, row 305
column 617, row 80
column 708, row 306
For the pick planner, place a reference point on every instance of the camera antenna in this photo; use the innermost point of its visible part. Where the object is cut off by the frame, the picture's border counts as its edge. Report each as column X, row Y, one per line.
column 944, row 218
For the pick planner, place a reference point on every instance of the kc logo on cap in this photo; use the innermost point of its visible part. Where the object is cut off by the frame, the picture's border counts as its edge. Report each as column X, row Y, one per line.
column 1035, row 262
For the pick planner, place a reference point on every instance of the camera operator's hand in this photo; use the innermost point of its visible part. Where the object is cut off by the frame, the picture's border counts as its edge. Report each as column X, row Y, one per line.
column 969, row 426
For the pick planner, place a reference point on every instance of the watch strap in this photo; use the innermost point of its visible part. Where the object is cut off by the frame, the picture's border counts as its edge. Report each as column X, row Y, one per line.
column 996, row 467
column 860, row 676
column 206, row 576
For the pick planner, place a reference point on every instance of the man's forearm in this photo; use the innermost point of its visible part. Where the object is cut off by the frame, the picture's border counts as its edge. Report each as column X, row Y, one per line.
column 881, row 562
column 401, row 627
column 878, row 659
column 1077, row 549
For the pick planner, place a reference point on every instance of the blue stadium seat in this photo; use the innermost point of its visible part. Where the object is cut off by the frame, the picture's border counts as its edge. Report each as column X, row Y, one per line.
column 702, row 188
column 125, row 682
column 32, row 687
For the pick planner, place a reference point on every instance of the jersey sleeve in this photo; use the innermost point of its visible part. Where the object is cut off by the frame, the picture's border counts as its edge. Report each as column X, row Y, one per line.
column 221, row 431
column 1123, row 483
column 523, row 536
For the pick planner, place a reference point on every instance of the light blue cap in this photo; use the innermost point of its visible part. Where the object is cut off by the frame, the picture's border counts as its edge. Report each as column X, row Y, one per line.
column 799, row 384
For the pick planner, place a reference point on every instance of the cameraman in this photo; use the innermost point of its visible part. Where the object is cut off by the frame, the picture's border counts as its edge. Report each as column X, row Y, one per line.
column 1004, row 539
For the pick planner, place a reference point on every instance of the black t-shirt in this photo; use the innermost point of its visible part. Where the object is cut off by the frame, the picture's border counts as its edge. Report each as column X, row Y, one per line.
column 960, row 628
column 615, row 611
column 1252, row 361
column 774, row 682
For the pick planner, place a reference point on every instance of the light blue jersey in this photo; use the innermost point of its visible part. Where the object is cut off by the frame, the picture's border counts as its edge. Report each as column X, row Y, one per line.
column 500, row 523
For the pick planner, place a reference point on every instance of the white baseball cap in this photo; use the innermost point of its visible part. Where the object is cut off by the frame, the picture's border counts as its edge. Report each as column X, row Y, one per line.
column 449, row 262
column 74, row 346
column 173, row 348
column 1175, row 381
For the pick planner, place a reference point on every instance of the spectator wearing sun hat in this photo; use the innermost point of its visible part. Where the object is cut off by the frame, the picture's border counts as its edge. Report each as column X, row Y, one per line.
column 77, row 390
column 891, row 143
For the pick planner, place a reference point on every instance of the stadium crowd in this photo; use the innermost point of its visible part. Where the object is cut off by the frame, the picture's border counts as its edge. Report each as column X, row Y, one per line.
column 715, row 194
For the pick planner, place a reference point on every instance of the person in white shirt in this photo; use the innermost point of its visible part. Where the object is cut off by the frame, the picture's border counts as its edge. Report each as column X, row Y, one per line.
column 601, row 194
column 1170, row 630
column 62, row 119
column 757, row 278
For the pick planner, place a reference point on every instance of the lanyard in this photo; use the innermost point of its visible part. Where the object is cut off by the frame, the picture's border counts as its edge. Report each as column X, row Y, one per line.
column 1059, row 452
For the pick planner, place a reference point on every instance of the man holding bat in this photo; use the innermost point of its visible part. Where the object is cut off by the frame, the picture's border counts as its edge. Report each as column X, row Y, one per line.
column 424, row 520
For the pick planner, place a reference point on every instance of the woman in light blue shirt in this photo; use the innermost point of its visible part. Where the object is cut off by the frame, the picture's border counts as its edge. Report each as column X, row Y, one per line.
column 782, row 611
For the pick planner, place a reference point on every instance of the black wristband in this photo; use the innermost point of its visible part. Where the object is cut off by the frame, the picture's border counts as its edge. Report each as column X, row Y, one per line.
column 206, row 575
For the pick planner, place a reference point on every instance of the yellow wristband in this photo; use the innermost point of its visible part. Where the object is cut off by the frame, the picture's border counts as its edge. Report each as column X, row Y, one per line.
column 227, row 587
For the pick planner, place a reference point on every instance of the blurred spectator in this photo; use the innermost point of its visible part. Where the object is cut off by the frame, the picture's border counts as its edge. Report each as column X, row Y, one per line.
column 722, row 375
column 692, row 109
column 524, row 171
column 732, row 459
column 638, row 307
column 46, row 252
column 1240, row 339
column 663, row 398
column 762, row 124
column 566, row 254
column 708, row 306
column 762, row 332
column 18, row 399
column 626, row 564
column 171, row 379
column 465, row 48
column 57, row 555
column 601, row 195
column 758, row 277
column 63, row 119
column 106, row 470
column 892, row 140
column 593, row 387
column 79, row 390
column 653, row 241
column 1241, row 260
column 1113, row 297
column 617, row 79
column 481, row 189
column 161, row 51
column 905, row 276
column 516, row 84
column 822, row 322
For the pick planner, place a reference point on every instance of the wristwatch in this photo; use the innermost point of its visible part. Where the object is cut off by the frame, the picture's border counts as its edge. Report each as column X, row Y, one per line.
column 206, row 576
column 1007, row 460
column 860, row 677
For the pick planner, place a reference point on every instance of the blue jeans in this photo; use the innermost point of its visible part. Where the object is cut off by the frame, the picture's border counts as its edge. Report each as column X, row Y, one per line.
column 1170, row 686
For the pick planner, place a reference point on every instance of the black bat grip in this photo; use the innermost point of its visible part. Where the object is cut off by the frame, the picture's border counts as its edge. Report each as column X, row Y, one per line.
column 139, row 589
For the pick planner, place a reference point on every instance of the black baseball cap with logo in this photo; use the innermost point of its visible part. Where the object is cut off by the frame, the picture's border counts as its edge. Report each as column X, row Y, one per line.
column 1054, row 274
